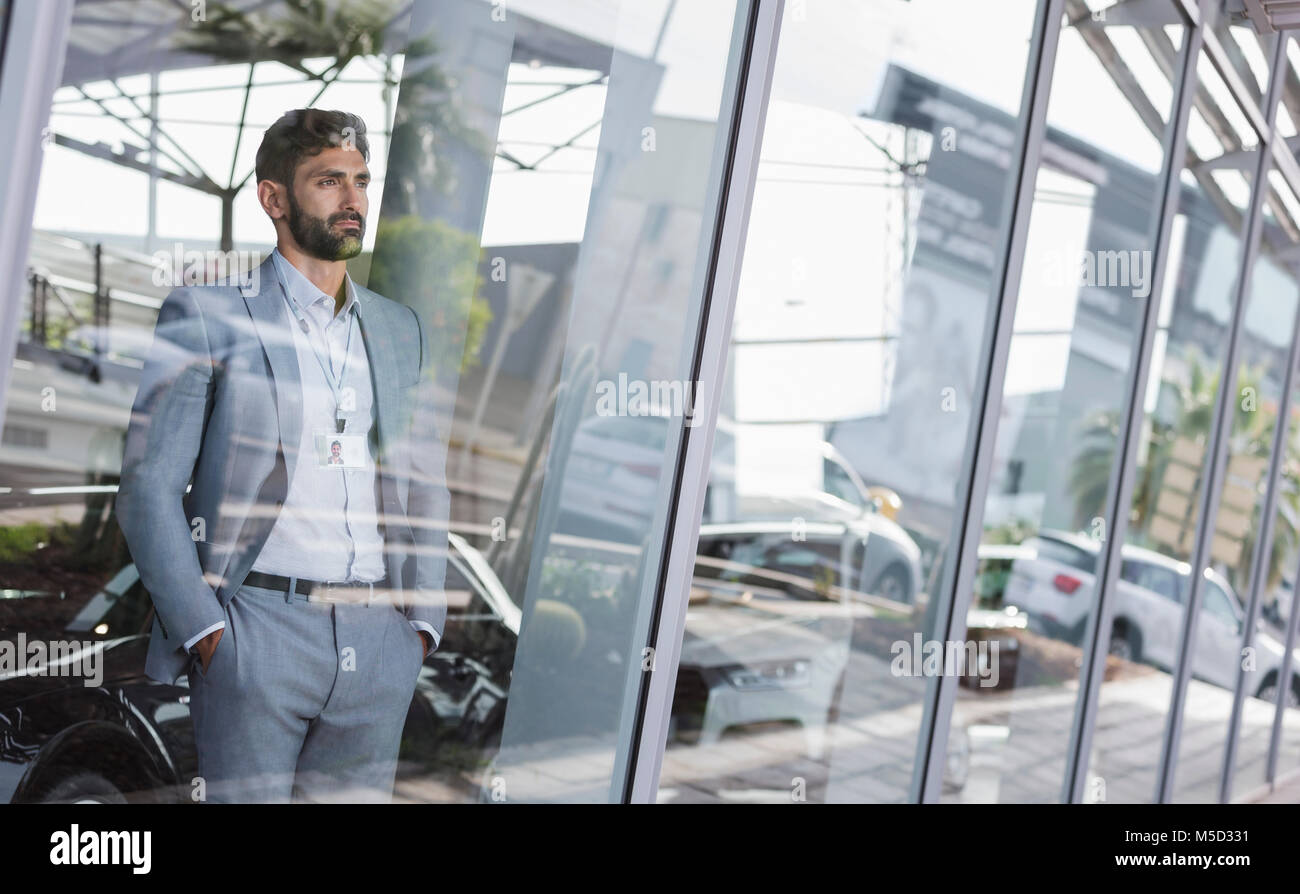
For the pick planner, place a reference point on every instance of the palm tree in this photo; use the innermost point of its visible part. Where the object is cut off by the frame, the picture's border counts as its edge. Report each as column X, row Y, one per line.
column 1252, row 434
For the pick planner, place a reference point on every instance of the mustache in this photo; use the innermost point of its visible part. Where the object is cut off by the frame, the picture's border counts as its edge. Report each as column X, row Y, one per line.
column 348, row 215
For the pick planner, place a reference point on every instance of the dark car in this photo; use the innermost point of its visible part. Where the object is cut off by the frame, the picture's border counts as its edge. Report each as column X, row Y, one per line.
column 130, row 738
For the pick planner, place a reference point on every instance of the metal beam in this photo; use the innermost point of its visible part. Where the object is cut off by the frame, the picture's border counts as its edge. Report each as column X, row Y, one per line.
column 682, row 536
column 1216, row 453
column 959, row 574
column 104, row 151
column 1236, row 86
column 1293, row 622
column 1263, row 547
column 1124, row 469
column 36, row 40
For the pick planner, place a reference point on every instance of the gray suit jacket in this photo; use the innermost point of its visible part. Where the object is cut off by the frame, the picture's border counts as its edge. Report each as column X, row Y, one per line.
column 220, row 410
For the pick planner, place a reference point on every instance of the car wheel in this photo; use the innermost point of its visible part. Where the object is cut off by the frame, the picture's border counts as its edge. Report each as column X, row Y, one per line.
column 1268, row 692
column 1124, row 645
column 83, row 788
column 892, row 585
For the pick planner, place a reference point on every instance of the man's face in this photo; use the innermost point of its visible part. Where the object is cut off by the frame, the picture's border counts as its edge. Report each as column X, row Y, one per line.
column 328, row 204
column 336, row 449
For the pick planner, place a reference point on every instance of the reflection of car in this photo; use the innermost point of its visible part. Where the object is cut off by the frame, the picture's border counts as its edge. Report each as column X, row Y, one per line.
column 62, row 740
column 611, row 478
column 751, row 656
column 460, row 699
column 612, row 481
column 762, row 642
column 871, row 556
column 1053, row 582
column 991, row 620
column 757, row 651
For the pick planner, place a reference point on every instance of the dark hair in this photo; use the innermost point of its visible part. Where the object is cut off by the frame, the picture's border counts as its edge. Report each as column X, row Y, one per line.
column 302, row 133
column 336, row 444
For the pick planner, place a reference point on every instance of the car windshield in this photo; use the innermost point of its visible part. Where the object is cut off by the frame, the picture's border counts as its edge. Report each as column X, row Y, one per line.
column 839, row 484
column 1060, row 551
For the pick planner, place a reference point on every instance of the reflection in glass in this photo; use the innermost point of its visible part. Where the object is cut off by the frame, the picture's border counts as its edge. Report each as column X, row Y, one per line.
column 1084, row 287
column 870, row 267
column 1188, row 355
column 1272, row 307
column 544, row 192
column 1217, row 650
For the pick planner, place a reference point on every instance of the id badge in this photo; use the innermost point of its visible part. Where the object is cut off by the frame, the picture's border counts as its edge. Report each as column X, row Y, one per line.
column 339, row 452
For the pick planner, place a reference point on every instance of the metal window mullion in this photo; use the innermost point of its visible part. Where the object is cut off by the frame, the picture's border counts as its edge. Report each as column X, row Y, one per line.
column 1286, row 165
column 1275, row 738
column 1259, row 565
column 1124, row 463
column 1263, row 547
column 736, row 199
column 36, row 40
column 1212, row 481
column 941, row 690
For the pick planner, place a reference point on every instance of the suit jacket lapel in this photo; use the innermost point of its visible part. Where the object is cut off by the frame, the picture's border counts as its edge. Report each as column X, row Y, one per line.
column 382, row 357
column 272, row 322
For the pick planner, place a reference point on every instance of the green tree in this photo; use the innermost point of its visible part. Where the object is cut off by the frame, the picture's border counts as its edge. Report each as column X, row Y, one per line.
column 1252, row 434
column 433, row 267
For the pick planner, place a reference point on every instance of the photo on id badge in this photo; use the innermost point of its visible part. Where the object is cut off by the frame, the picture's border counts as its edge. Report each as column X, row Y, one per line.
column 340, row 452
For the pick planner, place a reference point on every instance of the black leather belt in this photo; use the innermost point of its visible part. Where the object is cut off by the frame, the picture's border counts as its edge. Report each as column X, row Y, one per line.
column 315, row 590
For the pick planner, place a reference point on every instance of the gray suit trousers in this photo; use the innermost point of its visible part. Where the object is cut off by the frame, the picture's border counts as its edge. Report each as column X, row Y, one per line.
column 304, row 701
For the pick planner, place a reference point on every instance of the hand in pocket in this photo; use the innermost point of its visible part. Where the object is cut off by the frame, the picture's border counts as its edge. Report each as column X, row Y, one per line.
column 208, row 646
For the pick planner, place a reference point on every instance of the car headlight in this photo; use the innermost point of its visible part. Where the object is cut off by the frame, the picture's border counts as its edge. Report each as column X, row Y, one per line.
column 770, row 674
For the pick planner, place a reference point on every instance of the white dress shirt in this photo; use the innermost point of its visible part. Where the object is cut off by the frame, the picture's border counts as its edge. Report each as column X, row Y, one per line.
column 328, row 527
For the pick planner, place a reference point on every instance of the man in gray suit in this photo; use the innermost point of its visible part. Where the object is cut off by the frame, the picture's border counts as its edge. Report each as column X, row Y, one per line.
column 283, row 494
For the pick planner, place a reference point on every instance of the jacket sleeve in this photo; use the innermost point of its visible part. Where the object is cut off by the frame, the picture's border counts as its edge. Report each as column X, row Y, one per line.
column 163, row 444
column 428, row 501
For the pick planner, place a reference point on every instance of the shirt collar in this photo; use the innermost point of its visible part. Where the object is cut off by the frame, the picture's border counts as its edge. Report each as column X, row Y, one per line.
column 304, row 293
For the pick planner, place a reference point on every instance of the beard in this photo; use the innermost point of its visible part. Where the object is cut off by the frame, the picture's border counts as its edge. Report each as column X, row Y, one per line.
column 315, row 236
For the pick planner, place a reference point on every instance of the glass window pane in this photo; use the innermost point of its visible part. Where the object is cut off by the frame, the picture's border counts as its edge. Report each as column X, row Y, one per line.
column 1190, row 344
column 544, row 189
column 1274, row 292
column 868, row 277
column 1085, row 284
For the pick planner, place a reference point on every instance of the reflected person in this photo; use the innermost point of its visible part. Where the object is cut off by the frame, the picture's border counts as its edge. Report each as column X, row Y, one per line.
column 301, row 588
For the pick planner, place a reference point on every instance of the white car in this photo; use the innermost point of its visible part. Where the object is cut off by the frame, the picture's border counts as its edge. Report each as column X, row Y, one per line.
column 614, row 473
column 1052, row 581
column 871, row 556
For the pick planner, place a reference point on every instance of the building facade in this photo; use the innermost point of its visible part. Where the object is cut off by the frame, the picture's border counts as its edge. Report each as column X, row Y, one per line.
column 880, row 401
